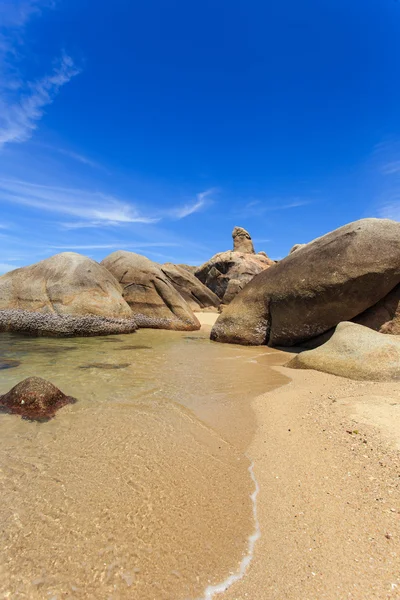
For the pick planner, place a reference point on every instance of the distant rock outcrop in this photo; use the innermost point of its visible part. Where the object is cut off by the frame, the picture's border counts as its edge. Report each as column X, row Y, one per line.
column 227, row 273
column 355, row 352
column 242, row 241
column 34, row 398
column 152, row 298
column 64, row 284
column 196, row 294
column 332, row 279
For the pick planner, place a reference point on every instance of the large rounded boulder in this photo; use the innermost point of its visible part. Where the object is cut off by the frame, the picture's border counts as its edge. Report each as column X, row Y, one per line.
column 65, row 284
column 152, row 298
column 65, row 295
column 332, row 279
column 356, row 352
column 196, row 294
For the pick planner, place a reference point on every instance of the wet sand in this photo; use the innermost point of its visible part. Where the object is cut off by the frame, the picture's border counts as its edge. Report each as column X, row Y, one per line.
column 327, row 462
column 142, row 488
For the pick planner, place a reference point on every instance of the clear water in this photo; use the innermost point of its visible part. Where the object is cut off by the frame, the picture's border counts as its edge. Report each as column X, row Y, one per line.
column 141, row 489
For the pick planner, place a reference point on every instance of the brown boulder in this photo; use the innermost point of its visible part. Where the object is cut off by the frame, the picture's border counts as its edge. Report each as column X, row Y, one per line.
column 43, row 324
column 242, row 241
column 34, row 398
column 355, row 352
column 65, row 284
column 195, row 293
column 385, row 315
column 332, row 279
column 151, row 296
column 227, row 273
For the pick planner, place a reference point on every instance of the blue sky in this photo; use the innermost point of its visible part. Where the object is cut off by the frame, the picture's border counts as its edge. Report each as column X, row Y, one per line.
column 158, row 126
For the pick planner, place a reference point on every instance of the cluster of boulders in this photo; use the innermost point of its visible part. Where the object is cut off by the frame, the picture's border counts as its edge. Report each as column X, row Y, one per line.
column 71, row 295
column 227, row 273
column 350, row 274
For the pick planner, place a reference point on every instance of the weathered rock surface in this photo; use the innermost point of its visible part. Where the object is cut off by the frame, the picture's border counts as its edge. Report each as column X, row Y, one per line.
column 356, row 352
column 385, row 315
column 242, row 241
column 227, row 273
column 195, row 293
column 34, row 398
column 332, row 279
column 192, row 269
column 64, row 284
column 151, row 296
column 296, row 247
column 54, row 325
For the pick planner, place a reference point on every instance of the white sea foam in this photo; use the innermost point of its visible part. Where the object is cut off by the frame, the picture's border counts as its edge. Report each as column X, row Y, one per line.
column 213, row 590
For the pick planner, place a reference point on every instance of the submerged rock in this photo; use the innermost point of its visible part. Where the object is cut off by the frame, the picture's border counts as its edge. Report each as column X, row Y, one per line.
column 356, row 352
column 332, row 279
column 9, row 363
column 105, row 366
column 54, row 325
column 34, row 398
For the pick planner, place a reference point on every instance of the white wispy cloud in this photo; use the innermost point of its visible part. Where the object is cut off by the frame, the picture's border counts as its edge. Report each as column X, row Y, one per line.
column 19, row 116
column 390, row 208
column 22, row 102
column 5, row 267
column 92, row 208
column 80, row 158
column 202, row 199
column 391, row 168
column 257, row 208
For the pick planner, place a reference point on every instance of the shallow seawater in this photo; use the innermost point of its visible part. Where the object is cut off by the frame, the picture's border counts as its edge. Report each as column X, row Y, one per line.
column 141, row 489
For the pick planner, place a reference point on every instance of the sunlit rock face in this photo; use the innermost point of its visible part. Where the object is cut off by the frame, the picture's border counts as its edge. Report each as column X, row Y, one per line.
column 153, row 300
column 335, row 278
column 227, row 273
column 64, row 284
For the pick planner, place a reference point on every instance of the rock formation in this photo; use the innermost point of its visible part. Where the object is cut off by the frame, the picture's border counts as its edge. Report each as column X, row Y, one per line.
column 34, row 398
column 356, row 352
column 152, row 298
column 332, row 279
column 195, row 293
column 227, row 273
column 296, row 247
column 385, row 315
column 242, row 241
column 54, row 325
column 65, row 284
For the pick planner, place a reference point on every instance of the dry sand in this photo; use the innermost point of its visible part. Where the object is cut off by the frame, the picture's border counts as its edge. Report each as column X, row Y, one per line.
column 327, row 462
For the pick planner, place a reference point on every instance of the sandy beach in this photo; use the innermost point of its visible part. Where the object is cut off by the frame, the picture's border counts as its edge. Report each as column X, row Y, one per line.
column 327, row 462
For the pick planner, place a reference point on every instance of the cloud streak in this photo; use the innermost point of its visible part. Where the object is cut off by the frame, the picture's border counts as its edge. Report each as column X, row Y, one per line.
column 19, row 117
column 23, row 102
column 190, row 209
column 94, row 209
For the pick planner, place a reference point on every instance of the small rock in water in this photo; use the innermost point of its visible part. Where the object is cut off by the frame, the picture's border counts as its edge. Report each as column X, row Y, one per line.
column 9, row 363
column 105, row 366
column 34, row 398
